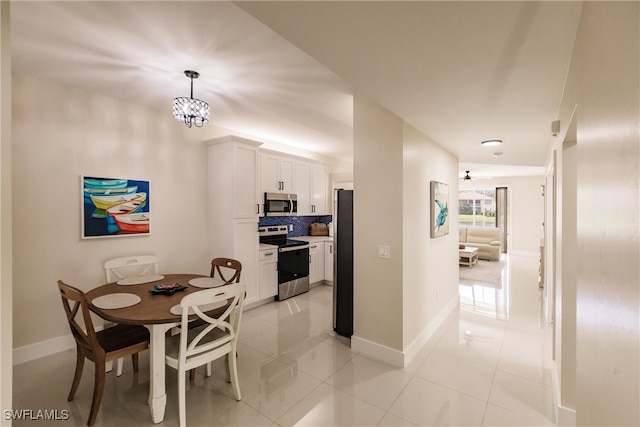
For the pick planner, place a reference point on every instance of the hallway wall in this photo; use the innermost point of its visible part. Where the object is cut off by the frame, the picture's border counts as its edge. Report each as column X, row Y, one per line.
column 603, row 87
column 401, row 300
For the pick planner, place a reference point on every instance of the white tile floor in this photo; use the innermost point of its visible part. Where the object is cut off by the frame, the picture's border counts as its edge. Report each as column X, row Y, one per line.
column 485, row 367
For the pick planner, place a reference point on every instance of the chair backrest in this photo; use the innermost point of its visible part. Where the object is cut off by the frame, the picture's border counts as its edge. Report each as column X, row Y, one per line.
column 131, row 266
column 228, row 266
column 76, row 306
column 227, row 324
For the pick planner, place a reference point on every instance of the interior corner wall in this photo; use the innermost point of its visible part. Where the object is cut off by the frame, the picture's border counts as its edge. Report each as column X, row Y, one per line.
column 604, row 83
column 430, row 265
column 566, row 286
column 6, row 270
column 378, row 216
column 61, row 133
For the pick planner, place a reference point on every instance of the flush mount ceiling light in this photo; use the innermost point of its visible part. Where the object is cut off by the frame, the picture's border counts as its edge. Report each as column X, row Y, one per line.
column 189, row 110
column 491, row 142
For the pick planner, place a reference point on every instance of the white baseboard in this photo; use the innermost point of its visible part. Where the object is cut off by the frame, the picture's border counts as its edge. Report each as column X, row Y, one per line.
column 524, row 253
column 377, row 351
column 566, row 417
column 42, row 349
column 403, row 358
column 414, row 348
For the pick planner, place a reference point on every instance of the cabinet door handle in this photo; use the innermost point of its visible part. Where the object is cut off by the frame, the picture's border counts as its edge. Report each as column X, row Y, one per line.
column 313, row 247
column 331, row 249
column 269, row 254
column 258, row 208
column 309, row 259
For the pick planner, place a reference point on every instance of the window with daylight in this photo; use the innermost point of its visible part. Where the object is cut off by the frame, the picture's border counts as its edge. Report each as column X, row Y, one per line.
column 477, row 207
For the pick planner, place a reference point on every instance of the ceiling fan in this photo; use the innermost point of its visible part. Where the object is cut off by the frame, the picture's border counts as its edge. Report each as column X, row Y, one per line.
column 467, row 177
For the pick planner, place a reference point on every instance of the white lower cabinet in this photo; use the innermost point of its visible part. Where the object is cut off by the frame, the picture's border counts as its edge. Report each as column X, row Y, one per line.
column 268, row 273
column 316, row 265
column 328, row 262
column 245, row 250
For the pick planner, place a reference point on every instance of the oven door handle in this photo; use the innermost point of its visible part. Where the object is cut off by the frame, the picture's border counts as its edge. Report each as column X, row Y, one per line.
column 293, row 248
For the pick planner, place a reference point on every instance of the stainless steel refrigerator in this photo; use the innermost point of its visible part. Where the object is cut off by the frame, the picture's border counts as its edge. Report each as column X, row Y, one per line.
column 343, row 263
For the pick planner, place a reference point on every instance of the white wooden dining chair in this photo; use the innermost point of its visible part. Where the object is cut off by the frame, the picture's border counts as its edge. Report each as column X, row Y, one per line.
column 130, row 266
column 217, row 337
column 124, row 268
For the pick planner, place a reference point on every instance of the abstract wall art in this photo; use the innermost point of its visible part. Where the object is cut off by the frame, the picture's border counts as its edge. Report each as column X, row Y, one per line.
column 439, row 209
column 114, row 207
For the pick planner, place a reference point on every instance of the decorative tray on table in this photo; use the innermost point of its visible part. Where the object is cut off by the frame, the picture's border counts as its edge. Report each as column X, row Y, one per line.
column 167, row 288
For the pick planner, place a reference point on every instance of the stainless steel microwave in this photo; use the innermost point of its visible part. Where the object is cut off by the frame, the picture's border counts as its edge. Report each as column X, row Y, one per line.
column 280, row 204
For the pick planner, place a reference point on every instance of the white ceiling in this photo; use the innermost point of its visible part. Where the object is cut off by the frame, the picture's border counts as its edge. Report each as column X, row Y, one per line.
column 460, row 72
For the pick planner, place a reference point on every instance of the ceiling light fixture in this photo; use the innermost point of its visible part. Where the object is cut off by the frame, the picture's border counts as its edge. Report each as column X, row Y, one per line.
column 189, row 110
column 467, row 177
column 491, row 142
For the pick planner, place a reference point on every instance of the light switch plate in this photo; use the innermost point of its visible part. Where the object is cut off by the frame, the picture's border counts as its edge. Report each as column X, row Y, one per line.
column 384, row 251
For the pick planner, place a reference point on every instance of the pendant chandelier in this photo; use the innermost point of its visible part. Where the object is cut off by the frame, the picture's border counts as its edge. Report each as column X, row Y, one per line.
column 189, row 110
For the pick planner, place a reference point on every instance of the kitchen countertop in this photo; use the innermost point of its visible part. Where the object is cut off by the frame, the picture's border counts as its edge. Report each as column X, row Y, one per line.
column 310, row 239
column 314, row 239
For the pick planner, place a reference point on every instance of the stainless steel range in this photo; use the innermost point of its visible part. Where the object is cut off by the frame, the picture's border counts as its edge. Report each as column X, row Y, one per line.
column 293, row 261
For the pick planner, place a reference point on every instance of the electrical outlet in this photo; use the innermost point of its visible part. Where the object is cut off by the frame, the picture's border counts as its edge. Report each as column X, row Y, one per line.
column 384, row 251
column 290, row 227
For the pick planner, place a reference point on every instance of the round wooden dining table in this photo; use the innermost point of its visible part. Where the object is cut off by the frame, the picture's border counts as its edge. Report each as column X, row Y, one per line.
column 154, row 312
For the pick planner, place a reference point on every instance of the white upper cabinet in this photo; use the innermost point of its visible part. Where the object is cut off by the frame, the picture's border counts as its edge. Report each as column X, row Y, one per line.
column 308, row 180
column 276, row 174
column 245, row 182
column 310, row 184
column 302, row 187
column 319, row 190
column 233, row 178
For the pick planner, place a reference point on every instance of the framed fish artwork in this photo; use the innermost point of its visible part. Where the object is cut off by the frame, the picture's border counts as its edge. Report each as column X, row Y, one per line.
column 439, row 209
column 114, row 207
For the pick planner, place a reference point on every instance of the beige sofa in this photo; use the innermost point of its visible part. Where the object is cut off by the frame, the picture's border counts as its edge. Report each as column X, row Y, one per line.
column 486, row 239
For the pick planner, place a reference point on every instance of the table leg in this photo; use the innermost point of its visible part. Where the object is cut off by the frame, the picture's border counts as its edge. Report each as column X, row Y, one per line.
column 157, row 391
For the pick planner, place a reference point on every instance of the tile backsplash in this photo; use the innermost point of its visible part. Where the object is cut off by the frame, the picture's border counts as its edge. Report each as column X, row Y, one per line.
column 300, row 223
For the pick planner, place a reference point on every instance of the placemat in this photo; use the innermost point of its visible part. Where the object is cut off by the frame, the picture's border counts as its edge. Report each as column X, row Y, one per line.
column 177, row 310
column 137, row 280
column 206, row 282
column 120, row 300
